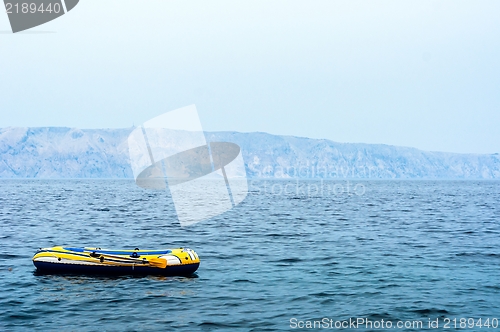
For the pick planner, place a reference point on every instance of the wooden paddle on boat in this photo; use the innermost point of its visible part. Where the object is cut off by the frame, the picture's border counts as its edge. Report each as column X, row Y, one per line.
column 153, row 262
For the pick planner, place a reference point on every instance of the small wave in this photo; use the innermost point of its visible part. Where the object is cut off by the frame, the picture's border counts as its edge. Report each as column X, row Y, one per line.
column 217, row 325
column 329, row 263
column 476, row 254
column 392, row 285
column 289, row 260
column 432, row 311
column 379, row 316
column 493, row 287
column 280, row 235
column 299, row 298
column 244, row 280
column 10, row 256
column 324, row 294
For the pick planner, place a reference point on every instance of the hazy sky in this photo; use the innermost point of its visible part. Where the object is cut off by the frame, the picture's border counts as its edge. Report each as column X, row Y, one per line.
column 411, row 73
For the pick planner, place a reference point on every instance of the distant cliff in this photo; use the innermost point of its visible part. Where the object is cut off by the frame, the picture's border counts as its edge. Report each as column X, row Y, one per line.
column 55, row 152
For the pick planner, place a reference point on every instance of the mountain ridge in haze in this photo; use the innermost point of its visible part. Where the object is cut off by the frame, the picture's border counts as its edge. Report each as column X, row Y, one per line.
column 60, row 152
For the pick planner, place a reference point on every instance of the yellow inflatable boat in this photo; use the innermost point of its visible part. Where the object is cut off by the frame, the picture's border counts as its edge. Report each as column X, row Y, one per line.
column 167, row 262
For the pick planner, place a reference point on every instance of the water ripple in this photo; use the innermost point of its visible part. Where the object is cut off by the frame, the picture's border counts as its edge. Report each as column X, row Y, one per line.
column 404, row 250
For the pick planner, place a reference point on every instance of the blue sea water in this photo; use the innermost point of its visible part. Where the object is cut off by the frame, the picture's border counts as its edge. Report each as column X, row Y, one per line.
column 398, row 251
